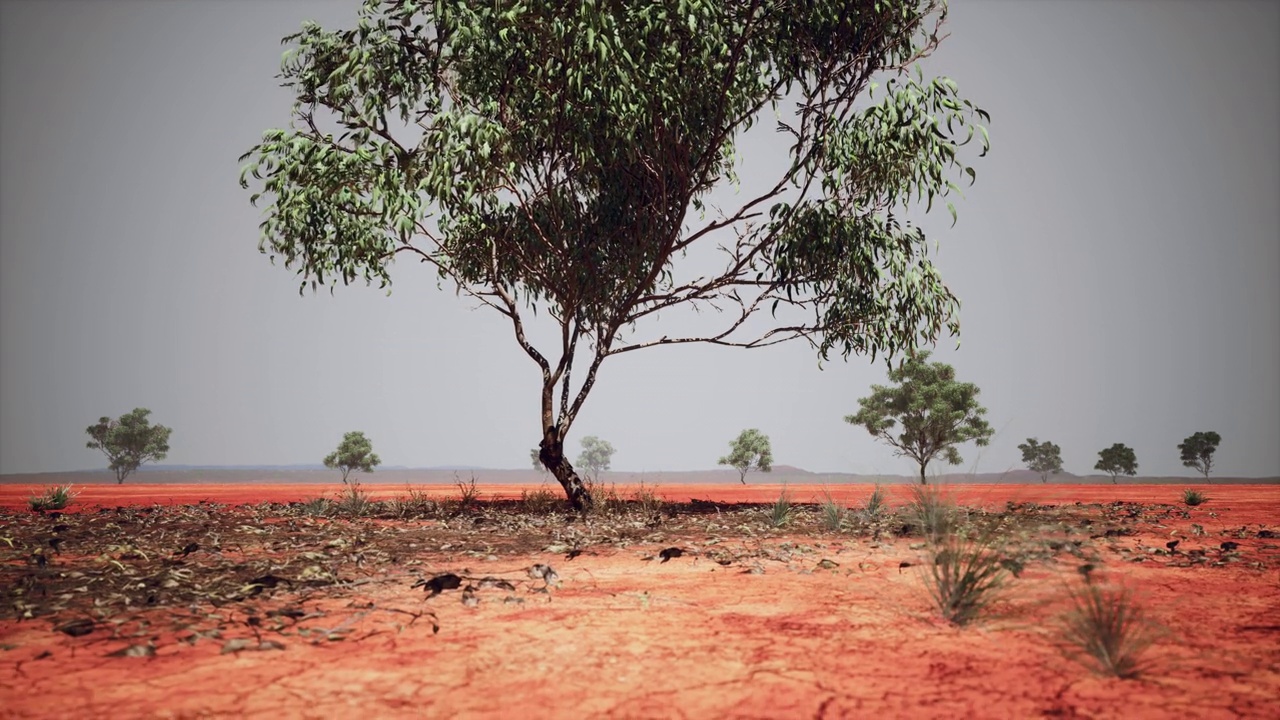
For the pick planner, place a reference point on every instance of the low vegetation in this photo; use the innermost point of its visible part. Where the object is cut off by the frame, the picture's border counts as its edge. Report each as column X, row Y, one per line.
column 1107, row 629
column 1193, row 497
column 53, row 498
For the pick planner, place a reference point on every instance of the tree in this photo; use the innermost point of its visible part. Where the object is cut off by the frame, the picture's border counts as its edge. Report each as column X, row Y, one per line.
column 749, row 451
column 595, row 457
column 1197, row 451
column 1119, row 459
column 534, row 456
column 554, row 163
column 129, row 441
column 934, row 412
column 355, row 452
column 1042, row 458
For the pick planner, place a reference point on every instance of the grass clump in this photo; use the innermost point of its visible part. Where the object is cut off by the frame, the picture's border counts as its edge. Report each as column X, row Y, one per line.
column 1108, row 629
column 833, row 514
column 542, row 501
column 781, row 510
column 1193, row 497
column 934, row 513
column 967, row 569
column 54, row 498
column 875, row 503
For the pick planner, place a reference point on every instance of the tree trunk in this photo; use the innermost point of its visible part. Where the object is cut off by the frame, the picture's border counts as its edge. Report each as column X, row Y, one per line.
column 923, row 481
column 551, row 453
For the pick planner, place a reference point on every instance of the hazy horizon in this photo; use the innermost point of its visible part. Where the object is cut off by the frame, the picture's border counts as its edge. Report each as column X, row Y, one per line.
column 1117, row 262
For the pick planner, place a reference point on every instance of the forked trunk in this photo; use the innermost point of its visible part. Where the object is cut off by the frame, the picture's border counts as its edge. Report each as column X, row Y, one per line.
column 551, row 453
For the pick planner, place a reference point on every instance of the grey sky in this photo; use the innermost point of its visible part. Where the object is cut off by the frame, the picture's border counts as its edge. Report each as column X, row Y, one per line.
column 1117, row 261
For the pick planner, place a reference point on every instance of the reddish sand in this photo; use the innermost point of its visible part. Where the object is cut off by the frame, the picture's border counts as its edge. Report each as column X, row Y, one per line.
column 625, row 638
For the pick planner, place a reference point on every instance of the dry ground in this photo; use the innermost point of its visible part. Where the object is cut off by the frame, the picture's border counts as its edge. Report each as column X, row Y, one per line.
column 187, row 601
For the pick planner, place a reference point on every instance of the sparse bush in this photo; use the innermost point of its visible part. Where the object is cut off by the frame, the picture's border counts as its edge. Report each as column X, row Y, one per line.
column 354, row 501
column 54, row 498
column 647, row 499
column 1108, row 629
column 1193, row 497
column 541, row 501
column 781, row 510
column 416, row 503
column 467, row 491
column 965, row 575
column 607, row 499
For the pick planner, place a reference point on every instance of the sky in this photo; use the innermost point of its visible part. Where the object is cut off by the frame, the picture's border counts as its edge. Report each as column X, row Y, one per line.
column 1117, row 261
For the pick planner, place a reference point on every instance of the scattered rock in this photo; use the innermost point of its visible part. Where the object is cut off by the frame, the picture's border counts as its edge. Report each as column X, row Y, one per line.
column 76, row 628
column 438, row 584
column 668, row 553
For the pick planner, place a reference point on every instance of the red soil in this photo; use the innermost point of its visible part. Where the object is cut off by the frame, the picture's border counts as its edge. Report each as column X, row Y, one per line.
column 624, row 638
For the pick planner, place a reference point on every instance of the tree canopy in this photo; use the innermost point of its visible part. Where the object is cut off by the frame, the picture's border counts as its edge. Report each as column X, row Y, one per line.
column 1198, row 449
column 926, row 415
column 596, row 456
column 1042, row 458
column 749, row 451
column 555, row 161
column 355, row 452
column 1119, row 459
column 129, row 442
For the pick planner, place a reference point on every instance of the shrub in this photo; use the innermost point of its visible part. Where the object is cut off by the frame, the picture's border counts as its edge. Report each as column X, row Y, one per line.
column 965, row 575
column 1193, row 497
column 54, row 498
column 1108, row 629
column 541, row 501
column 467, row 490
column 354, row 501
column 647, row 499
column 416, row 503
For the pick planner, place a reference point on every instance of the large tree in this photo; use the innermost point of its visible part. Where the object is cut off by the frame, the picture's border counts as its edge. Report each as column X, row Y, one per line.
column 926, row 414
column 129, row 442
column 555, row 162
column 1197, row 451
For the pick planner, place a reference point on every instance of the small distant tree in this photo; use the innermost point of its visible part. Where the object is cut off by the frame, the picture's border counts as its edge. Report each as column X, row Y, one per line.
column 749, row 451
column 535, row 457
column 130, row 441
column 1197, row 451
column 355, row 452
column 1119, row 459
column 933, row 411
column 596, row 456
column 1042, row 458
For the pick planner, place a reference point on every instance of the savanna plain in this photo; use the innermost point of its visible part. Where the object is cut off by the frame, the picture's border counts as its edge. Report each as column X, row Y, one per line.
column 786, row 601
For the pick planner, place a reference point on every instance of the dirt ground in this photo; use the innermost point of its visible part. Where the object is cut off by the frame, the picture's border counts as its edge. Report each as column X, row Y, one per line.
column 192, row 601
